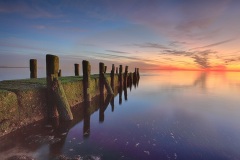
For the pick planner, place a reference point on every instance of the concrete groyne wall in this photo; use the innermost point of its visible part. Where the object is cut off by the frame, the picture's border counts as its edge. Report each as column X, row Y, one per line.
column 23, row 102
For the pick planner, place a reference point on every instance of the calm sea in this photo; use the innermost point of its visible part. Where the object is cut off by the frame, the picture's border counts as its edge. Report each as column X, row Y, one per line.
column 169, row 115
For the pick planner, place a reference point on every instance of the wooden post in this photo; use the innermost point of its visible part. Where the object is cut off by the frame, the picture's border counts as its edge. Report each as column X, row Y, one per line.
column 57, row 100
column 130, row 79
column 86, row 80
column 101, row 90
column 138, row 75
column 135, row 76
column 76, row 70
column 52, row 67
column 60, row 73
column 112, row 77
column 120, row 78
column 125, row 76
column 101, row 83
column 60, row 98
column 33, row 68
column 116, row 70
column 107, row 85
column 105, row 69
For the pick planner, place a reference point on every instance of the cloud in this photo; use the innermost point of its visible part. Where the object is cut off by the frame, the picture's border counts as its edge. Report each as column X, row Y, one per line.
column 201, row 61
column 201, row 58
column 113, row 51
column 215, row 44
column 31, row 9
column 151, row 45
column 177, row 43
column 177, row 52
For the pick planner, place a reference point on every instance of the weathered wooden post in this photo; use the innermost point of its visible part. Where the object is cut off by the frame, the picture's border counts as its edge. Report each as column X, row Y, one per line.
column 135, row 76
column 76, row 69
column 86, row 67
column 125, row 76
column 105, row 69
column 60, row 73
column 33, row 68
column 52, row 67
column 103, row 80
column 120, row 78
column 116, row 70
column 138, row 75
column 101, row 83
column 112, row 77
column 86, row 80
column 56, row 96
column 130, row 80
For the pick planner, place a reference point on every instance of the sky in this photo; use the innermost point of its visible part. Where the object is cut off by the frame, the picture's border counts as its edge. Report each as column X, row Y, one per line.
column 148, row 34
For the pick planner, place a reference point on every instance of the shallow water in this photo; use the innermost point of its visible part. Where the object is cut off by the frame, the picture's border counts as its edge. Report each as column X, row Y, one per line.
column 170, row 115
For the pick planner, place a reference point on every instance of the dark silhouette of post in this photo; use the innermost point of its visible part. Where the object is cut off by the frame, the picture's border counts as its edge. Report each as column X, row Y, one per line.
column 60, row 73
column 105, row 69
column 138, row 75
column 135, row 76
column 33, row 68
column 86, row 80
column 120, row 78
column 125, row 76
column 112, row 77
column 116, row 70
column 101, row 74
column 76, row 69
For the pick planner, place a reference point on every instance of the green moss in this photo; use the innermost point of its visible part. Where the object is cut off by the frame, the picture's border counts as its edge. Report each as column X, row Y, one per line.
column 8, row 109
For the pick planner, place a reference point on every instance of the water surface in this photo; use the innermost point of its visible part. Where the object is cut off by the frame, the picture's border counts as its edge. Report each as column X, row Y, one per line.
column 169, row 115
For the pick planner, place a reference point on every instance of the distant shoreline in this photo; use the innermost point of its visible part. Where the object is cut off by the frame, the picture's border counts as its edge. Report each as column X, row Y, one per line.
column 12, row 67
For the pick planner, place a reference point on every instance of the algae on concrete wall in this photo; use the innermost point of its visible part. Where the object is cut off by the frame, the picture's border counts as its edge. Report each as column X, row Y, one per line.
column 8, row 110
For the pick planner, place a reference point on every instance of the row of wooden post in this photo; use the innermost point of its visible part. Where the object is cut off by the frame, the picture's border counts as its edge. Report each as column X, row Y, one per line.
column 33, row 70
column 57, row 101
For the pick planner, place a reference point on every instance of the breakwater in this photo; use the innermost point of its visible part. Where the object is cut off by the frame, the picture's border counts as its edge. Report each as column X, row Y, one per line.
column 23, row 102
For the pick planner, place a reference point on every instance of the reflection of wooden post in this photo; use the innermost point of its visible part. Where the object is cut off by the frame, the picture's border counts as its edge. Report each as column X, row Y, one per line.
column 125, row 93
column 86, row 119
column 86, row 80
column 52, row 67
column 33, row 68
column 104, row 106
column 76, row 70
column 112, row 103
column 120, row 88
